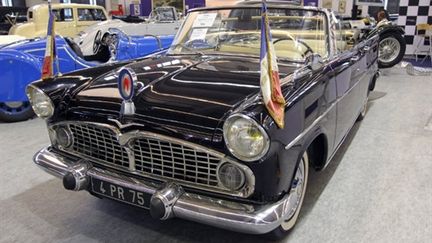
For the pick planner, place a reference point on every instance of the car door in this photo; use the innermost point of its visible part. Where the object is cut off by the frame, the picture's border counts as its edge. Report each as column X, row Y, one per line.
column 344, row 64
column 352, row 78
column 343, row 68
column 371, row 53
column 363, row 75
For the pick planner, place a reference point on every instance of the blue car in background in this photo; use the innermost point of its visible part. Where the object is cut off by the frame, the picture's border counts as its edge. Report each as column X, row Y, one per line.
column 21, row 63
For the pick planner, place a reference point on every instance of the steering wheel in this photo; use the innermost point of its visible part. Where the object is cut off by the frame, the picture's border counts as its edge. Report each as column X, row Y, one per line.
column 97, row 42
column 198, row 44
column 289, row 37
column 111, row 41
column 244, row 39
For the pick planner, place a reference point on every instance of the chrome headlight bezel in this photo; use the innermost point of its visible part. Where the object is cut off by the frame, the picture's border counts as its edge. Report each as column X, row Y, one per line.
column 64, row 131
column 61, row 136
column 228, row 124
column 241, row 172
column 30, row 94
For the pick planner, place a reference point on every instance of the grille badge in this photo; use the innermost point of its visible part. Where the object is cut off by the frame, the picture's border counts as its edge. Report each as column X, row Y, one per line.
column 122, row 126
column 127, row 83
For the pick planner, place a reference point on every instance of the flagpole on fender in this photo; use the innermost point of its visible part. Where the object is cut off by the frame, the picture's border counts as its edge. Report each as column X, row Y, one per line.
column 55, row 46
column 271, row 90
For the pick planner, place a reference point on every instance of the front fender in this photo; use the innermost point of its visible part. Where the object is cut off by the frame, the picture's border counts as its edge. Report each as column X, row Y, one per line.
column 391, row 28
column 386, row 29
column 18, row 69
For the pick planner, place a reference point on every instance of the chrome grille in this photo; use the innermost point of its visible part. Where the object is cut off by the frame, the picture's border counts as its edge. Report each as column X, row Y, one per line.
column 176, row 161
column 98, row 143
column 152, row 157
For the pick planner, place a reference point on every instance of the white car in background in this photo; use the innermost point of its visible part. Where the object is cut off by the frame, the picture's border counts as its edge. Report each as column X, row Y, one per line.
column 162, row 21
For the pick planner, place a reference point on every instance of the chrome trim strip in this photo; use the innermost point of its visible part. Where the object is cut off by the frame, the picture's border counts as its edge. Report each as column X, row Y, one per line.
column 37, row 49
column 329, row 158
column 66, row 50
column 78, row 59
column 126, row 139
column 214, row 83
column 235, row 216
column 308, row 129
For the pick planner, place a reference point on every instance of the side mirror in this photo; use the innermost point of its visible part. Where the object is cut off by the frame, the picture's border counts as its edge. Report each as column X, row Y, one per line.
column 314, row 61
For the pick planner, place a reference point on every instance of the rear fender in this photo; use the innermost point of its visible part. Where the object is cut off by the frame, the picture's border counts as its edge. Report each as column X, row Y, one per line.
column 17, row 69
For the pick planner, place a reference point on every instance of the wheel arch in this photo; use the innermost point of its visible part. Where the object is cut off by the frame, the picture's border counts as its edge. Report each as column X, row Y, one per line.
column 316, row 144
column 316, row 147
column 373, row 81
column 318, row 151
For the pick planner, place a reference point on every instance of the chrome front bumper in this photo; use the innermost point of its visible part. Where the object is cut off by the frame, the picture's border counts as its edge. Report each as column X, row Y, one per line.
column 246, row 218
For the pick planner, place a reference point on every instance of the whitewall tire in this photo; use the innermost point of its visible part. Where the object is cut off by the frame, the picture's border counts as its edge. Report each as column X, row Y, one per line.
column 297, row 192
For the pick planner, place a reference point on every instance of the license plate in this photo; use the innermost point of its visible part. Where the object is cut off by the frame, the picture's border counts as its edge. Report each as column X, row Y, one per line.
column 121, row 193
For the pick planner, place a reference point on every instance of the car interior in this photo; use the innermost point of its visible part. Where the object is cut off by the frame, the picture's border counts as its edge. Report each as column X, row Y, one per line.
column 103, row 55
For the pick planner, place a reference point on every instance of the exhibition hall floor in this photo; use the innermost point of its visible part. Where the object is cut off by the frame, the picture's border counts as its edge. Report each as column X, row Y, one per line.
column 378, row 188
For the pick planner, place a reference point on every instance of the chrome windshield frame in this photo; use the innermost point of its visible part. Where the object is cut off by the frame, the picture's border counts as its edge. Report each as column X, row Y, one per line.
column 327, row 27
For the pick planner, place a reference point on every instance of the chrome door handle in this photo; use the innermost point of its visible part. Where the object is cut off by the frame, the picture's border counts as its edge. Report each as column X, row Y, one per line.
column 366, row 48
column 355, row 58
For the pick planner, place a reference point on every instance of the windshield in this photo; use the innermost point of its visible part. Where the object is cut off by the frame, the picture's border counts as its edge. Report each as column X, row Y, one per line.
column 295, row 32
column 163, row 14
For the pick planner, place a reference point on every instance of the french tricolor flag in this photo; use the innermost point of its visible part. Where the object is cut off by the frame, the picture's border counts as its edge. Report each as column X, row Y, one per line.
column 269, row 80
column 50, row 51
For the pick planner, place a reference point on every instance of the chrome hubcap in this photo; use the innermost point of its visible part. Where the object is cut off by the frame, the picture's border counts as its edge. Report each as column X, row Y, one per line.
column 296, row 191
column 389, row 49
column 14, row 107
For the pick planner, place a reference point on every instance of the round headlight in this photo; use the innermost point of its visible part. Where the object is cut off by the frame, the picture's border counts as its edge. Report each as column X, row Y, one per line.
column 245, row 138
column 41, row 103
column 231, row 176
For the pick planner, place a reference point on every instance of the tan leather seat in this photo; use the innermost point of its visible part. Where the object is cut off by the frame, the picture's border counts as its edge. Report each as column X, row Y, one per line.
column 287, row 48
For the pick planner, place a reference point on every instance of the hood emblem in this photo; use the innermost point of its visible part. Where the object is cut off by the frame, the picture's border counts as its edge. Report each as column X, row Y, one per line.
column 127, row 83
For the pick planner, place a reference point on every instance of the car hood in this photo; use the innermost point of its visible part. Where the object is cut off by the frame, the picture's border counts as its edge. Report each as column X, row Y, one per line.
column 176, row 93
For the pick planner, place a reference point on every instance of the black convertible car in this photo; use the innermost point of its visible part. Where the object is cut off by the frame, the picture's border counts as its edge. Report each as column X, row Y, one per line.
column 185, row 134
